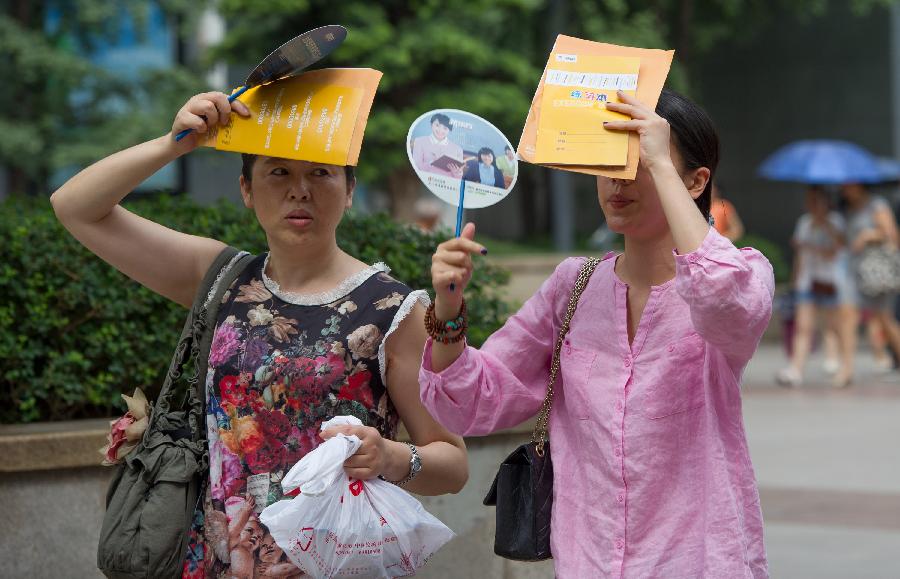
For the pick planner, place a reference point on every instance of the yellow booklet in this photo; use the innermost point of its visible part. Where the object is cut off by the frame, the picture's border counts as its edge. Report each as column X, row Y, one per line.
column 317, row 116
column 653, row 71
column 573, row 109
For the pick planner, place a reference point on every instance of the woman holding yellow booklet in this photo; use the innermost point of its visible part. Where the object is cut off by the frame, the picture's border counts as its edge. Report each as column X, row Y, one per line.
column 306, row 332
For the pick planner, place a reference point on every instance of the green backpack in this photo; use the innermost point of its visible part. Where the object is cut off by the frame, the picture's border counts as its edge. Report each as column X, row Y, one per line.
column 152, row 497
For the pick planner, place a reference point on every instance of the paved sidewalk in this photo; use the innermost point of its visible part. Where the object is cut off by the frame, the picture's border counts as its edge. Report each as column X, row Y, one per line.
column 828, row 466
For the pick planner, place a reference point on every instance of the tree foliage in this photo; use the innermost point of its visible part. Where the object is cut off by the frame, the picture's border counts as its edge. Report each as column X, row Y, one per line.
column 485, row 56
column 59, row 108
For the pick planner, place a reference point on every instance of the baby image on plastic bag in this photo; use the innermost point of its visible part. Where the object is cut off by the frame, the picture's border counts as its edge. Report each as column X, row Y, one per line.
column 336, row 526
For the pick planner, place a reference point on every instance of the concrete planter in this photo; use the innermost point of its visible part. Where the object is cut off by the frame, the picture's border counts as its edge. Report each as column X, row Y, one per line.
column 54, row 490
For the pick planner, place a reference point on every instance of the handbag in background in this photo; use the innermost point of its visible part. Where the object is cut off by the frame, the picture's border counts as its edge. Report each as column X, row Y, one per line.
column 878, row 272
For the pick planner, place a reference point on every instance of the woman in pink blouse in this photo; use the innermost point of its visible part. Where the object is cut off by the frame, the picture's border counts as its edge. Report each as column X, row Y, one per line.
column 652, row 471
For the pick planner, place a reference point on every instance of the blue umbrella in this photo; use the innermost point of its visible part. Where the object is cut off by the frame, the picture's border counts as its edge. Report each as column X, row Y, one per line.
column 890, row 169
column 822, row 162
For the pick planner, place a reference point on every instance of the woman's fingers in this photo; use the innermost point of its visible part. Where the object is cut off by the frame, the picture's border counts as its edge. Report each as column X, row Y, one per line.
column 631, row 100
column 362, row 459
column 360, row 473
column 623, row 125
column 626, row 109
column 196, row 112
column 190, row 121
column 240, row 108
column 462, row 244
column 455, row 278
column 204, row 111
column 451, row 267
column 223, row 107
column 454, row 258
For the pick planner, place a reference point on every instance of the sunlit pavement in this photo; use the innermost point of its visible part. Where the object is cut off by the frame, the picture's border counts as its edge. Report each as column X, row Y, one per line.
column 828, row 466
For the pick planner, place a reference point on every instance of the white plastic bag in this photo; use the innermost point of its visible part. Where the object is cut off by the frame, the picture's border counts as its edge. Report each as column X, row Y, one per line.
column 342, row 527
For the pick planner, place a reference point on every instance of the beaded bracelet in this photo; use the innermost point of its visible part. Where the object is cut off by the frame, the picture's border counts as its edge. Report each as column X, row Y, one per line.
column 440, row 331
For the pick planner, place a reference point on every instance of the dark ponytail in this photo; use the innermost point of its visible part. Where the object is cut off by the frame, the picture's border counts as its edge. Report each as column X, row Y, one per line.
column 694, row 136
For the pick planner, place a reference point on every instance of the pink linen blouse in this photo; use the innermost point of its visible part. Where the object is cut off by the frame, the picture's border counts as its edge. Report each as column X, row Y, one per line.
column 652, row 471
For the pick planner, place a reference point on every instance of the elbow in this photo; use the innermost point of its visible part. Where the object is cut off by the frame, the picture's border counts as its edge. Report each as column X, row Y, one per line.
column 458, row 474
column 57, row 202
column 461, row 477
column 456, row 477
column 454, row 484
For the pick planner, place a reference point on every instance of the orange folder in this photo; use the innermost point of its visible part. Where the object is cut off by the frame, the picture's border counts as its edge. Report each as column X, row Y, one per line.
column 655, row 65
column 317, row 116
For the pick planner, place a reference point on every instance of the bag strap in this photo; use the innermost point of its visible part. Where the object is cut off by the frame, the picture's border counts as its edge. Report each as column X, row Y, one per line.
column 539, row 437
column 192, row 334
column 210, row 310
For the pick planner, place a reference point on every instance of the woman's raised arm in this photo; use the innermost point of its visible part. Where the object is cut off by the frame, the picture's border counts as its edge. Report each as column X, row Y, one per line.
column 168, row 262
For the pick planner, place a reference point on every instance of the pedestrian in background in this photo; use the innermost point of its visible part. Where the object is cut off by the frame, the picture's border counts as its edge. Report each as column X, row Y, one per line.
column 820, row 287
column 871, row 223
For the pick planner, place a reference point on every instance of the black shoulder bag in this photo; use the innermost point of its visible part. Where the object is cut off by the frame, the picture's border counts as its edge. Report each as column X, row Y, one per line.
column 523, row 487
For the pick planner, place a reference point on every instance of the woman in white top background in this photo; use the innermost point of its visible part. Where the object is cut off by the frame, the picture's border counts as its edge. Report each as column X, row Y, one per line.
column 821, row 287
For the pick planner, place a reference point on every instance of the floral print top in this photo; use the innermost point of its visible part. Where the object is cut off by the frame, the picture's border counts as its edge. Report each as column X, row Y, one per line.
column 279, row 365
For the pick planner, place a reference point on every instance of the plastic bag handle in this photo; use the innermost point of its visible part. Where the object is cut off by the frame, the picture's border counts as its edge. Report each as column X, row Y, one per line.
column 321, row 468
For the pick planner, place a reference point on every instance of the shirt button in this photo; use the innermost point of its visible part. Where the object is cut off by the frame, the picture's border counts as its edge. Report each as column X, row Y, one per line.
column 621, row 497
column 620, row 407
column 671, row 348
column 620, row 544
column 617, row 451
column 627, row 363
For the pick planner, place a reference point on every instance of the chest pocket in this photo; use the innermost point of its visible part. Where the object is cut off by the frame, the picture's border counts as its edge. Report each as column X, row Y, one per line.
column 680, row 386
column 575, row 371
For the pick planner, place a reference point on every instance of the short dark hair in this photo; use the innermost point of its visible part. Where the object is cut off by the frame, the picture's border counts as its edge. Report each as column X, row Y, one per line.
column 695, row 137
column 248, row 160
column 441, row 118
column 486, row 151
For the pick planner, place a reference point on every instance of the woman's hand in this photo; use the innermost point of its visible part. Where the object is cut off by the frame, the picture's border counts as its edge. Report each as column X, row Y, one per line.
column 676, row 191
column 202, row 113
column 451, row 270
column 652, row 129
column 376, row 455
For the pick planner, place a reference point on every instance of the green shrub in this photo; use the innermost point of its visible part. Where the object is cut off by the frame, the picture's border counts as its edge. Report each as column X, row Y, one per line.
column 75, row 333
column 773, row 253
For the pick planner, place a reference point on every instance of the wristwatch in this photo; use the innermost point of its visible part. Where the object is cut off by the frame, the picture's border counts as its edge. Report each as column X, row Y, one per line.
column 415, row 465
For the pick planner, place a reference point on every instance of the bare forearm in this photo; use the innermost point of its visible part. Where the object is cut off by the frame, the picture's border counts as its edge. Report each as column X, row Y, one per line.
column 90, row 195
column 444, row 468
column 686, row 223
column 443, row 355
